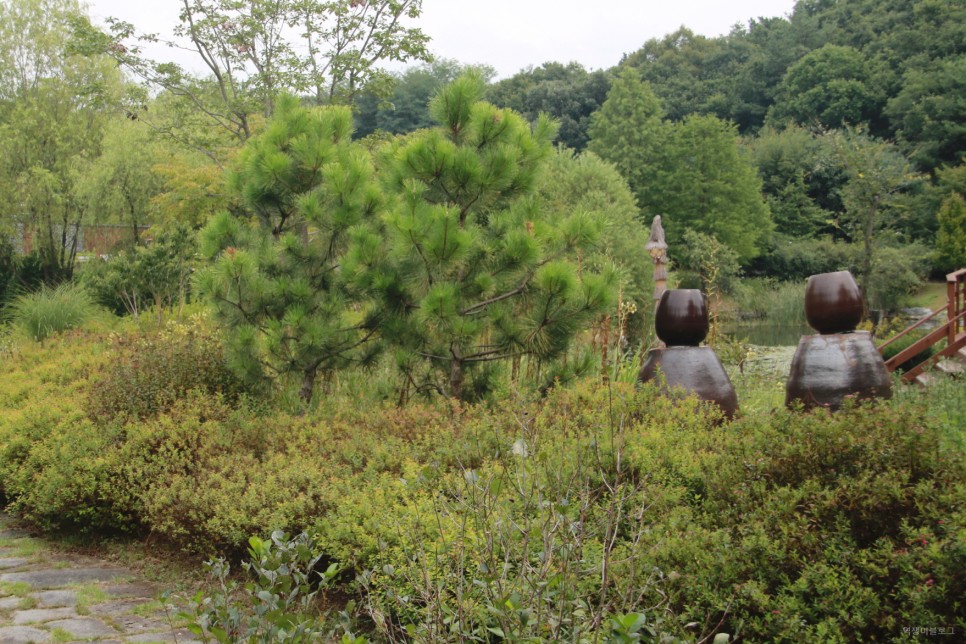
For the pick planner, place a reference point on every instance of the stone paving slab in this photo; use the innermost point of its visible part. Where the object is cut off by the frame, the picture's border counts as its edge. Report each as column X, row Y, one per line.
column 136, row 624
column 23, row 635
column 45, row 585
column 60, row 577
column 84, row 627
column 36, row 615
column 10, row 603
column 56, row 598
column 182, row 636
column 132, row 589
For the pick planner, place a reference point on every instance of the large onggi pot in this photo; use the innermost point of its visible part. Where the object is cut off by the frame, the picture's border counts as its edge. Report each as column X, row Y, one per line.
column 828, row 369
column 682, row 317
column 692, row 370
column 833, row 302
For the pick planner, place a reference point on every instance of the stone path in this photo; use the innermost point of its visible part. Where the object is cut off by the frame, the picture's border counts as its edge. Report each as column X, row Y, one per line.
column 60, row 598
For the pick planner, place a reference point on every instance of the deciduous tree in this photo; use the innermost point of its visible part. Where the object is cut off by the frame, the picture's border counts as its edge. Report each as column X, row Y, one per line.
column 568, row 93
column 407, row 108
column 832, row 87
column 252, row 51
column 929, row 113
column 53, row 110
column 586, row 183
column 877, row 175
column 122, row 182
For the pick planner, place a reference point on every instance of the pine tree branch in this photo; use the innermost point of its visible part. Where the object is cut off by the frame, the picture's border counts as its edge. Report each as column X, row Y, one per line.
column 432, row 356
column 494, row 355
column 476, row 308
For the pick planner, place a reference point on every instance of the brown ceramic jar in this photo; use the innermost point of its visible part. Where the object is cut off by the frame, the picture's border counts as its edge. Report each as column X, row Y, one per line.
column 828, row 369
column 682, row 317
column 833, row 302
column 691, row 370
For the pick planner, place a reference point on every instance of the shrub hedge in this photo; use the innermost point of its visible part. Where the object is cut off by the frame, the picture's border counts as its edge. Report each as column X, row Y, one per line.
column 597, row 511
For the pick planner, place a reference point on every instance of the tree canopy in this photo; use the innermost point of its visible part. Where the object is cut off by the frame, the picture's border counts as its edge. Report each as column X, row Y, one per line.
column 568, row 93
column 329, row 50
column 692, row 173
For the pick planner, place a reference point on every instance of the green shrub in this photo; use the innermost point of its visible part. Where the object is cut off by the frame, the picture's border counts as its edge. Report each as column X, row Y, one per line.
column 795, row 259
column 140, row 278
column 822, row 527
column 51, row 456
column 149, row 372
column 715, row 264
column 897, row 274
column 525, row 536
column 227, row 474
column 597, row 512
column 277, row 605
column 51, row 310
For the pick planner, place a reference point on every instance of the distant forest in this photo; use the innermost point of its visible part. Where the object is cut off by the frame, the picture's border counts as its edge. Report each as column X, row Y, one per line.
column 811, row 98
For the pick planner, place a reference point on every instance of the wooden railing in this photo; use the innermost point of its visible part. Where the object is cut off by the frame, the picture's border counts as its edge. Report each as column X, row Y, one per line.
column 953, row 331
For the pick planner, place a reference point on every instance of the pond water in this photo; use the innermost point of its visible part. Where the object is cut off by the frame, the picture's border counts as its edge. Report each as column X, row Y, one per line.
column 768, row 335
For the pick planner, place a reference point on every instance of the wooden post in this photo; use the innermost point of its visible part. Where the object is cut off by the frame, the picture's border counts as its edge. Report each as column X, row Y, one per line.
column 952, row 309
column 657, row 249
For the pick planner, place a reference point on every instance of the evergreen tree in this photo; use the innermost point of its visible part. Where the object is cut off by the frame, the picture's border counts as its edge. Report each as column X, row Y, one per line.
column 276, row 281
column 692, row 173
column 629, row 131
column 473, row 271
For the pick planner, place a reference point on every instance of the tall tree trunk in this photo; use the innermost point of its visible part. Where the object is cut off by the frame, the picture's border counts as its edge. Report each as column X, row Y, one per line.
column 867, row 254
column 308, row 384
column 456, row 378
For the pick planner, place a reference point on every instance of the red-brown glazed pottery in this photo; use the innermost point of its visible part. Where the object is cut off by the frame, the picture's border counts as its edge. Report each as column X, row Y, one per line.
column 691, row 370
column 833, row 302
column 682, row 317
column 682, row 322
column 828, row 369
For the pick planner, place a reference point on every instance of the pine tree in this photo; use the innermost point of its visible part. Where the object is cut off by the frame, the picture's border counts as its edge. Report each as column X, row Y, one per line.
column 472, row 271
column 629, row 131
column 712, row 187
column 275, row 280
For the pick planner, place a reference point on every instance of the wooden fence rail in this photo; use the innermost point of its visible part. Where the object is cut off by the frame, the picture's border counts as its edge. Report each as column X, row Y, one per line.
column 953, row 331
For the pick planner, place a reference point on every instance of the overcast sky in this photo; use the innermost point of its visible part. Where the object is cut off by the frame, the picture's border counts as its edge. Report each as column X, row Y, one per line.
column 512, row 34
